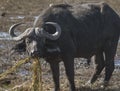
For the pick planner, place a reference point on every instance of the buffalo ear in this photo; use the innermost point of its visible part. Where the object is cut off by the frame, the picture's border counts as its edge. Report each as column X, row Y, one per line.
column 19, row 47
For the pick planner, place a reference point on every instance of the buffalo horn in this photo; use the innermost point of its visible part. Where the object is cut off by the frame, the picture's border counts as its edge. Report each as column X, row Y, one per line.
column 12, row 34
column 57, row 34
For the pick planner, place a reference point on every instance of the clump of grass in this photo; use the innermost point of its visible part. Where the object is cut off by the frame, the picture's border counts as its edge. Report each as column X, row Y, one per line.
column 3, row 75
column 36, row 80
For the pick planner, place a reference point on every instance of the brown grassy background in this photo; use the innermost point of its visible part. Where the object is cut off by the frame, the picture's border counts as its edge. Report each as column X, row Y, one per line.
column 30, row 8
column 34, row 6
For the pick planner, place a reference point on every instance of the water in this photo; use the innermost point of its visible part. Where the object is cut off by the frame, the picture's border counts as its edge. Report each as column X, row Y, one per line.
column 4, row 35
column 17, row 17
column 20, row 17
column 36, row 17
column 117, row 64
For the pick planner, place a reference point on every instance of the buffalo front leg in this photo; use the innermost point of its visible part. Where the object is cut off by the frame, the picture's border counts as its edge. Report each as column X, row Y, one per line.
column 99, row 65
column 69, row 68
column 55, row 71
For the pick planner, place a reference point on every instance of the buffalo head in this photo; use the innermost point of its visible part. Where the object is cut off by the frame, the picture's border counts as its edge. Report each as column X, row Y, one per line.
column 32, row 40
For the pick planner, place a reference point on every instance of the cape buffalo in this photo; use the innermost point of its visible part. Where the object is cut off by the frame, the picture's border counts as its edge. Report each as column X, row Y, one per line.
column 69, row 31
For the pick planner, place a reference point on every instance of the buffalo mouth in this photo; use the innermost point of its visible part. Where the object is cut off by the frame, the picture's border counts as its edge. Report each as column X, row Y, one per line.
column 35, row 54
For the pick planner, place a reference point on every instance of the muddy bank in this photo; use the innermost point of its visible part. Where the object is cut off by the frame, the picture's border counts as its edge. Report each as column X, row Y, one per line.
column 26, row 11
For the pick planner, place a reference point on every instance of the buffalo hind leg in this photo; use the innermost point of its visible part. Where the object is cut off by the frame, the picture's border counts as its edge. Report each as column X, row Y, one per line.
column 69, row 68
column 55, row 72
column 99, row 65
column 110, row 51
